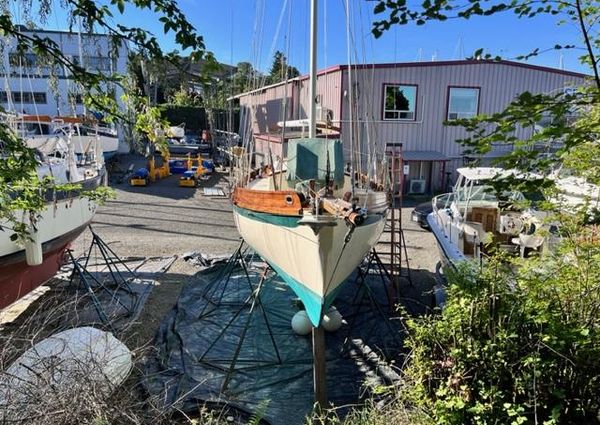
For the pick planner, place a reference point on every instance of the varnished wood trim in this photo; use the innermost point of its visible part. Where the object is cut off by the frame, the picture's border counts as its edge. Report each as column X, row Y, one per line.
column 279, row 202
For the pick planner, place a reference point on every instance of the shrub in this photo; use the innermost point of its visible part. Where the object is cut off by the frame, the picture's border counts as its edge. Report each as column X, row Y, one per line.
column 515, row 343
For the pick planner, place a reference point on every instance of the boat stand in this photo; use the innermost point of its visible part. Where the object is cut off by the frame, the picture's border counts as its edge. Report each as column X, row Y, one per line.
column 250, row 305
column 373, row 266
column 92, row 283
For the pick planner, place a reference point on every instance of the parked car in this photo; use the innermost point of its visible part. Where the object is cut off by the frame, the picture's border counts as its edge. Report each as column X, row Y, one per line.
column 420, row 212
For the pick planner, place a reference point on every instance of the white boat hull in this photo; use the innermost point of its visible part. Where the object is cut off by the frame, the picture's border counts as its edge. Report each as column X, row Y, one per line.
column 57, row 227
column 314, row 264
column 450, row 253
column 56, row 220
column 81, row 144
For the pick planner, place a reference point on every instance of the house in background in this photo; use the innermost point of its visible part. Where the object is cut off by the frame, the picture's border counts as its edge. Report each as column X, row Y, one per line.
column 32, row 87
column 404, row 103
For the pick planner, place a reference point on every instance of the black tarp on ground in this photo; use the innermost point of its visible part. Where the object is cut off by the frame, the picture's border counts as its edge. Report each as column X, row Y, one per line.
column 195, row 348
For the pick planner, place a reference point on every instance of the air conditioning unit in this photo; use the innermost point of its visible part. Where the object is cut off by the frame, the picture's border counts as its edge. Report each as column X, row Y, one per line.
column 324, row 114
column 417, row 186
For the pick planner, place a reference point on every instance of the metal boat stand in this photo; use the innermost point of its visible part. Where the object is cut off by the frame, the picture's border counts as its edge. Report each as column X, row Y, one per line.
column 250, row 305
column 364, row 295
column 93, row 284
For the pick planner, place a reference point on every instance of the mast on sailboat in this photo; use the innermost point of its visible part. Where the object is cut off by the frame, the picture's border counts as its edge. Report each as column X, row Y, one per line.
column 312, row 117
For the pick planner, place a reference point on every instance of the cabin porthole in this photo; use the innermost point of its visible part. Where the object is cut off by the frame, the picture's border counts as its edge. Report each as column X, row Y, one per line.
column 289, row 200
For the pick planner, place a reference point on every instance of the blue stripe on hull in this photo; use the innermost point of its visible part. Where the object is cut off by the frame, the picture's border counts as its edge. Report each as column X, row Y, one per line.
column 276, row 220
column 313, row 303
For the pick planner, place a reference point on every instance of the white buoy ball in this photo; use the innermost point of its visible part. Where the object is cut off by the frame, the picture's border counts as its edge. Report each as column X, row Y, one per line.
column 332, row 319
column 301, row 323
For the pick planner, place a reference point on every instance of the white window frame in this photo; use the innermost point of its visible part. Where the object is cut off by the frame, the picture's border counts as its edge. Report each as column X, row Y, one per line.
column 461, row 115
column 414, row 105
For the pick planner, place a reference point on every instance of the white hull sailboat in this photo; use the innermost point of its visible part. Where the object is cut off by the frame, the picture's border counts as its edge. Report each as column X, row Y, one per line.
column 313, row 259
column 25, row 266
column 47, row 134
column 312, row 221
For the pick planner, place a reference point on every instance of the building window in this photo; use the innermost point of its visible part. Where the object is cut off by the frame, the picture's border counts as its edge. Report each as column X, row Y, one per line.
column 399, row 102
column 75, row 98
column 98, row 63
column 25, row 97
column 30, row 65
column 463, row 102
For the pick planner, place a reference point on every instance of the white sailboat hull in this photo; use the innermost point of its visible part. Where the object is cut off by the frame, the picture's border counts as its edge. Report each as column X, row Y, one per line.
column 314, row 264
column 56, row 220
column 81, row 144
column 24, row 269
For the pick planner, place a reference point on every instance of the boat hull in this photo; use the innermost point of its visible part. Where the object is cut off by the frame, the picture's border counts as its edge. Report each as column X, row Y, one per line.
column 59, row 224
column 313, row 263
column 17, row 278
column 81, row 144
column 450, row 254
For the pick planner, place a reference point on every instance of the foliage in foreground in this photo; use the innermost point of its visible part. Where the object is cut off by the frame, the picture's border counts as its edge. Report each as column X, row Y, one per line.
column 391, row 412
column 514, row 345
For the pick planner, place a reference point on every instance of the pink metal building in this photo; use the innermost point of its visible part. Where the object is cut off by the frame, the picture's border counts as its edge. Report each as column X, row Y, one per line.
column 402, row 102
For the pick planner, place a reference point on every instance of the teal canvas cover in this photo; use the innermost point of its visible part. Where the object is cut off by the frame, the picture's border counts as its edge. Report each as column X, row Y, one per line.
column 307, row 159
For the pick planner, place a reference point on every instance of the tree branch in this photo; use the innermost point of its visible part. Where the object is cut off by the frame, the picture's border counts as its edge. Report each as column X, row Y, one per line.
column 588, row 43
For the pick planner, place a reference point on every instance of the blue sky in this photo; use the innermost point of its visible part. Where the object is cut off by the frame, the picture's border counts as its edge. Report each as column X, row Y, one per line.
column 246, row 30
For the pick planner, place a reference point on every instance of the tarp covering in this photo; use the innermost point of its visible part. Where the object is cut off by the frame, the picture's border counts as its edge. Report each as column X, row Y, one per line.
column 307, row 159
column 199, row 339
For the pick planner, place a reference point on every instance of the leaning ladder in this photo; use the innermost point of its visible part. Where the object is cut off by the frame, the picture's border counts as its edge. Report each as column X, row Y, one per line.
column 397, row 253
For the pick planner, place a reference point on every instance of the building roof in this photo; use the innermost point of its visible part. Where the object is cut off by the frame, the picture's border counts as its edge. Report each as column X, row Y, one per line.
column 430, row 64
column 424, row 156
column 23, row 28
column 401, row 65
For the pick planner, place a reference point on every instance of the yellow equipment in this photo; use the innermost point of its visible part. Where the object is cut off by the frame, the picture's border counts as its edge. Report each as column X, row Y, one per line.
column 157, row 173
column 138, row 181
column 188, row 179
column 194, row 172
column 140, row 177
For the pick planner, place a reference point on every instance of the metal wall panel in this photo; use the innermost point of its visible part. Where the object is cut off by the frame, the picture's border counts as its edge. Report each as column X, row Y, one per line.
column 499, row 84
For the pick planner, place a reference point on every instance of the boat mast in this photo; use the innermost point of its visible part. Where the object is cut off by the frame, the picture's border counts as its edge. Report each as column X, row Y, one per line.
column 318, row 333
column 81, row 64
column 312, row 117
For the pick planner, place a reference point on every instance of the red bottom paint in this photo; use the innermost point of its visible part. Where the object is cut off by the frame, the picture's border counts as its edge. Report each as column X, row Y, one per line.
column 18, row 279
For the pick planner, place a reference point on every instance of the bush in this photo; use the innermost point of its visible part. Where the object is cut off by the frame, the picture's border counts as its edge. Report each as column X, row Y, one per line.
column 514, row 344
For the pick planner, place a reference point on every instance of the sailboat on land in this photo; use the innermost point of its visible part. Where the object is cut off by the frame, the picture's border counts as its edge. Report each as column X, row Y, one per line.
column 23, row 267
column 44, row 133
column 312, row 219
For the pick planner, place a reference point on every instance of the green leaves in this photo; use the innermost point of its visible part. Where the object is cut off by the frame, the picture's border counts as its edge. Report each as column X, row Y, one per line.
column 515, row 343
column 120, row 5
column 379, row 8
